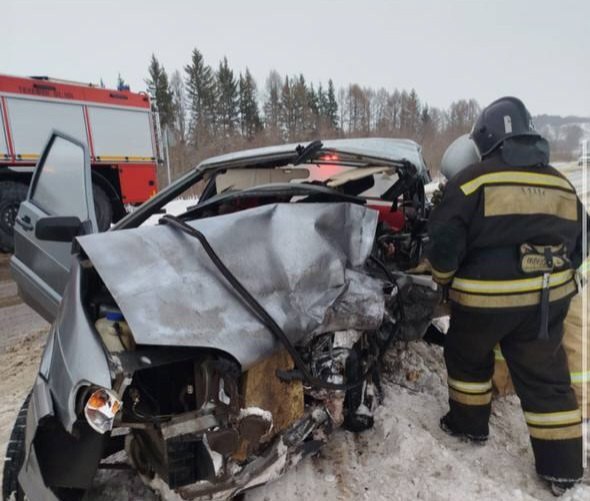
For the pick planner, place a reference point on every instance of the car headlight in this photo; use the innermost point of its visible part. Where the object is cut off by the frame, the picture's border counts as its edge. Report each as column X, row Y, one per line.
column 101, row 408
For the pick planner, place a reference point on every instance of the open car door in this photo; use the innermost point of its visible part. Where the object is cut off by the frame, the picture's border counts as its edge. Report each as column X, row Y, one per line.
column 58, row 207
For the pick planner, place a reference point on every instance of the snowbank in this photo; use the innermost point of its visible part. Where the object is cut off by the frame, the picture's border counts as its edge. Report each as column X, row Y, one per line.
column 406, row 456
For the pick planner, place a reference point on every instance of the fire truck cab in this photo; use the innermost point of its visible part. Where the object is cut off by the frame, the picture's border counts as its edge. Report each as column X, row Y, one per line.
column 118, row 127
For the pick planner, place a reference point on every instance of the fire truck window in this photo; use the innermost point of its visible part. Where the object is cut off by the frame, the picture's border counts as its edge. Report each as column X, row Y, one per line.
column 60, row 189
column 3, row 144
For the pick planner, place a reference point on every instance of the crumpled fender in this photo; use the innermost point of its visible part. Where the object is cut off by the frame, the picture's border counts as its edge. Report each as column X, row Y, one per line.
column 78, row 356
column 73, row 358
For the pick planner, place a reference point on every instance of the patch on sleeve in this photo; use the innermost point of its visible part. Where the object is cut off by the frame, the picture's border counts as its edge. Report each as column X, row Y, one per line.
column 507, row 124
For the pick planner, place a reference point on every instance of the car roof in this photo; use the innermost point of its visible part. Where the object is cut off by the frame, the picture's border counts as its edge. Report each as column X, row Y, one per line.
column 387, row 149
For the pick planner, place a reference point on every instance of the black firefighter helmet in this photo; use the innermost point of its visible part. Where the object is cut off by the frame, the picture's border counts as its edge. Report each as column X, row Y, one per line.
column 505, row 118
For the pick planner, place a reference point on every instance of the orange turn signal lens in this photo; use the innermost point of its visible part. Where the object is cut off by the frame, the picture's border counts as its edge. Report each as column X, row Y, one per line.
column 101, row 408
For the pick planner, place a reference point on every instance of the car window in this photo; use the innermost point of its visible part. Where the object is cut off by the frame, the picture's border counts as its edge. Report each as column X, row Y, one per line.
column 383, row 180
column 241, row 179
column 175, row 207
column 60, row 188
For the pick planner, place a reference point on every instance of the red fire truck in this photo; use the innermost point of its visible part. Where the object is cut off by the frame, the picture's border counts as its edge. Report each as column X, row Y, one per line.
column 118, row 127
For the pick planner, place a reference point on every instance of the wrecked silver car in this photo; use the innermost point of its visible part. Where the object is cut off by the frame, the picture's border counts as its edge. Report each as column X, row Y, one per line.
column 221, row 345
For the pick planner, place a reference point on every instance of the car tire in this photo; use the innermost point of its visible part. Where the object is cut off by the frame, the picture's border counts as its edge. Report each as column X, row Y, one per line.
column 12, row 193
column 15, row 456
column 102, row 208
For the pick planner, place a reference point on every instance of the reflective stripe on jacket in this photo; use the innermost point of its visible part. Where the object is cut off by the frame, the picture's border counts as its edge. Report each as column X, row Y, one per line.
column 487, row 213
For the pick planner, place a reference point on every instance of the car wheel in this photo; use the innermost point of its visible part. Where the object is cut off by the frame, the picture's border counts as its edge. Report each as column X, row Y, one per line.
column 15, row 456
column 12, row 193
column 103, row 208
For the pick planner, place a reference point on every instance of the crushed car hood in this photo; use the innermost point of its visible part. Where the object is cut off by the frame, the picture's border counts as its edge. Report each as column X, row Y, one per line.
column 302, row 262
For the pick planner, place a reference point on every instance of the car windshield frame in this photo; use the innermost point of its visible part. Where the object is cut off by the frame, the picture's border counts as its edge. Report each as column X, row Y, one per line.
column 277, row 157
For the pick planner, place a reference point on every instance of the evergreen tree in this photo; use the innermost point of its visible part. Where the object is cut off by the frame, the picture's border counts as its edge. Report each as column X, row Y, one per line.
column 322, row 99
column 227, row 100
column 201, row 91
column 425, row 122
column 312, row 123
column 413, row 114
column 331, row 110
column 250, row 123
column 158, row 85
column 301, row 110
column 121, row 84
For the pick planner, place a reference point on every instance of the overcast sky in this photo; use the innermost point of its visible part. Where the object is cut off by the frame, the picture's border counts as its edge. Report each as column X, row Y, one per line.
column 535, row 49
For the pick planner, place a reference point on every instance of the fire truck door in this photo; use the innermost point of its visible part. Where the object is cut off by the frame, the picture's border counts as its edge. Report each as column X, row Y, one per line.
column 58, row 207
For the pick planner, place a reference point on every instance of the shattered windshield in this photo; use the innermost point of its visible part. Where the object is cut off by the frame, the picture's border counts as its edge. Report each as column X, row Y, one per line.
column 240, row 188
column 386, row 172
column 330, row 175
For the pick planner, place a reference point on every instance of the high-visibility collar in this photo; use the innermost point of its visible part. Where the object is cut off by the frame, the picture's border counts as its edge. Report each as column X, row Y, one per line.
column 516, row 177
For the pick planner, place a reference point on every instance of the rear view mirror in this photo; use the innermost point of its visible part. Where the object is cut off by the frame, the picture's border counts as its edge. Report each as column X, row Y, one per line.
column 58, row 228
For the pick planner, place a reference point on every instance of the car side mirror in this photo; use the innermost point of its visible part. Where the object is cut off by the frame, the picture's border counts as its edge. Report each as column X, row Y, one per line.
column 58, row 228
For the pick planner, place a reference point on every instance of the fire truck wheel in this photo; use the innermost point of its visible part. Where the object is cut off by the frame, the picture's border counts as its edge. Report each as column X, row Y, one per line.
column 12, row 193
column 103, row 208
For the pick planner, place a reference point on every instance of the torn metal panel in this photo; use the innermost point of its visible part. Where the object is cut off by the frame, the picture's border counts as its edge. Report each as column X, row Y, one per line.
column 299, row 260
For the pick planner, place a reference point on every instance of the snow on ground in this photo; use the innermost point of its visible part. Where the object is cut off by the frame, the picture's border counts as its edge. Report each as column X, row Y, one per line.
column 18, row 365
column 404, row 457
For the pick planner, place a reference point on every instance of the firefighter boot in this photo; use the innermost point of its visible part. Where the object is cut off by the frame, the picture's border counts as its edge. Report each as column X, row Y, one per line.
column 559, row 488
column 447, row 426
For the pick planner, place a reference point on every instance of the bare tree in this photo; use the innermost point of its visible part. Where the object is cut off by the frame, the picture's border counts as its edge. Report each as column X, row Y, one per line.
column 178, row 106
column 272, row 105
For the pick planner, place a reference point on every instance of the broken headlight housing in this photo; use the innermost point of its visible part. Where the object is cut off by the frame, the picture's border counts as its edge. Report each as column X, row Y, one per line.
column 101, row 408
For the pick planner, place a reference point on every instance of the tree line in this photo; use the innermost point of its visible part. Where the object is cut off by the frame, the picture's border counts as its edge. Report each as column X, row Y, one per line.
column 206, row 110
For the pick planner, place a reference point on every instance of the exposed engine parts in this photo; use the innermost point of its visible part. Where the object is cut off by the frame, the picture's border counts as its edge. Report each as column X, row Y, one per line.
column 201, row 420
column 197, row 423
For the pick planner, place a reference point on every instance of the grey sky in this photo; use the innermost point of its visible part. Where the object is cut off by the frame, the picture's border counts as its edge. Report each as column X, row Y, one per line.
column 447, row 50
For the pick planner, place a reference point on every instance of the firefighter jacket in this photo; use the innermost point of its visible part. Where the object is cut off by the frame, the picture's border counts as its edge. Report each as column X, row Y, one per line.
column 506, row 237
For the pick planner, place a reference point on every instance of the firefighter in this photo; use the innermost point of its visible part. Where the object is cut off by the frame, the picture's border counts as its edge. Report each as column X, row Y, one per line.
column 460, row 154
column 504, row 243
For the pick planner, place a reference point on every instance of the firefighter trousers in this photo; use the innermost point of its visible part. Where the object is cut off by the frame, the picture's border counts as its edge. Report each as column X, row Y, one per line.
column 540, row 374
